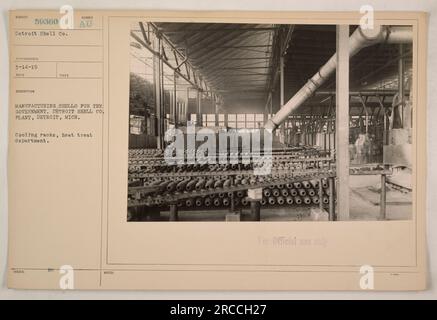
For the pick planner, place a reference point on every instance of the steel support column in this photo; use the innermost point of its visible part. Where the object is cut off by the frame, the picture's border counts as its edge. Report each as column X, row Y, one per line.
column 321, row 194
column 401, row 93
column 331, row 185
column 199, row 108
column 157, row 74
column 173, row 212
column 255, row 210
column 282, row 77
column 215, row 104
column 187, row 115
column 342, row 122
column 175, row 101
column 382, row 201
column 281, row 92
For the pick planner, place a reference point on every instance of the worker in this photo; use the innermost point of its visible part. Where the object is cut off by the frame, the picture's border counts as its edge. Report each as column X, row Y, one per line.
column 362, row 148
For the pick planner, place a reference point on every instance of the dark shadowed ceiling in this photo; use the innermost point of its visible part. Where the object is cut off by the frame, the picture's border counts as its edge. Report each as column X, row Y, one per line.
column 237, row 60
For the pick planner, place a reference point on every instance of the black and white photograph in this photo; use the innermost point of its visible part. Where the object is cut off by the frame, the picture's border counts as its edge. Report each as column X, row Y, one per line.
column 270, row 122
column 242, row 151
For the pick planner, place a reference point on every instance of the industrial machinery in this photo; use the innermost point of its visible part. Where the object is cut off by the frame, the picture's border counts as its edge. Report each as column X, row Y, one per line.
column 232, row 77
column 299, row 176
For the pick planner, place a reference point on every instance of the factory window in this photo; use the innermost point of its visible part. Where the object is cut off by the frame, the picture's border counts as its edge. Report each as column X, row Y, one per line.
column 208, row 120
column 250, row 121
column 241, row 120
column 193, row 118
column 244, row 120
column 141, row 62
column 232, row 120
column 221, row 118
column 192, row 94
column 259, row 119
column 137, row 124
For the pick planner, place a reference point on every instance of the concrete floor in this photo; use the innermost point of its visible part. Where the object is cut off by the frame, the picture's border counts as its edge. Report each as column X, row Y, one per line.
column 364, row 205
column 365, row 198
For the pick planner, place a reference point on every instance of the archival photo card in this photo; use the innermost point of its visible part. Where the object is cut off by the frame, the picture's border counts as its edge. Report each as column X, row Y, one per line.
column 217, row 150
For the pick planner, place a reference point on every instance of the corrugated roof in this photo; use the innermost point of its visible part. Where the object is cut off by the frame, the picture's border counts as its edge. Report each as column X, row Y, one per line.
column 237, row 59
column 234, row 59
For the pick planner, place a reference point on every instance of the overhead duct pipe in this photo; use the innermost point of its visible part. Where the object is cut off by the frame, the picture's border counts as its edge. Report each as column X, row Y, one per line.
column 360, row 39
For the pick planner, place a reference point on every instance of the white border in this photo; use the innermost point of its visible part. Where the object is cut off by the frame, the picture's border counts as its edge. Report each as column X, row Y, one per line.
column 252, row 5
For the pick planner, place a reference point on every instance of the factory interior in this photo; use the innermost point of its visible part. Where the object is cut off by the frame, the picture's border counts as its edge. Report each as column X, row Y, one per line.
column 335, row 100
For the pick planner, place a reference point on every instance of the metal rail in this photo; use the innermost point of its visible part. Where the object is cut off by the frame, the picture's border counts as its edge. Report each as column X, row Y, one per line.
column 173, row 198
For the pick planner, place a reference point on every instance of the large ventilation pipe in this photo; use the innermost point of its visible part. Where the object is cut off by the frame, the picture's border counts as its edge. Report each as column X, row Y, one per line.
column 360, row 39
